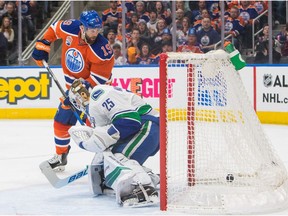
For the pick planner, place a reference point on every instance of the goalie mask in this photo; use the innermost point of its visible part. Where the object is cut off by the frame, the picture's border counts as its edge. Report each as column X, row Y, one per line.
column 79, row 95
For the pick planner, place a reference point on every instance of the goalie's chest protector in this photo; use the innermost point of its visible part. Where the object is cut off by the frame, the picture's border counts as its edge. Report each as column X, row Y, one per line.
column 106, row 102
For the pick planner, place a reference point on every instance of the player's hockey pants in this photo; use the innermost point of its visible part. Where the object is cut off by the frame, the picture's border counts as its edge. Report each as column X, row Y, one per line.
column 63, row 120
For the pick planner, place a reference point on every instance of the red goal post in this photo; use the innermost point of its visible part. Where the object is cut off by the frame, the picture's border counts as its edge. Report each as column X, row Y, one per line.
column 214, row 155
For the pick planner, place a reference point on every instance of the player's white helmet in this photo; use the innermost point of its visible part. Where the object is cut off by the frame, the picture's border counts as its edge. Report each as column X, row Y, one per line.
column 79, row 94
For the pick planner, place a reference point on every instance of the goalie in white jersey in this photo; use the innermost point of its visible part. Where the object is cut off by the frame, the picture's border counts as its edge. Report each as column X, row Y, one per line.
column 124, row 133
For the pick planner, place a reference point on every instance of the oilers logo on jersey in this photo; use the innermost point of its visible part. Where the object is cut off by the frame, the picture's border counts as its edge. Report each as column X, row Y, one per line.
column 74, row 60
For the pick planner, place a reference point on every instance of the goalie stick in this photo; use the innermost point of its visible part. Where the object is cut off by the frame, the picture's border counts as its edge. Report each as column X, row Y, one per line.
column 57, row 182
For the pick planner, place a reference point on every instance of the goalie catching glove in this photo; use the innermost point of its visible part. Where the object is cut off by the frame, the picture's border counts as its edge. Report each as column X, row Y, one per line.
column 94, row 140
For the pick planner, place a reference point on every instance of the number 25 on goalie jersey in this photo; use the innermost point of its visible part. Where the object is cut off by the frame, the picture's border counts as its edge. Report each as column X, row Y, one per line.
column 93, row 62
column 125, row 110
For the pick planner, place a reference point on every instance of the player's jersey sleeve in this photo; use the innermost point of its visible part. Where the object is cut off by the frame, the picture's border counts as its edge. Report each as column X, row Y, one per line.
column 61, row 29
column 102, row 62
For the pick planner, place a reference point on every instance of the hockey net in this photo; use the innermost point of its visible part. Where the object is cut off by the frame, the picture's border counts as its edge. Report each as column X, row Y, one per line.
column 215, row 156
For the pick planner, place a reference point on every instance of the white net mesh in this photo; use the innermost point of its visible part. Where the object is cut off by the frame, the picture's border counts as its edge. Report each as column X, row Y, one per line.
column 218, row 157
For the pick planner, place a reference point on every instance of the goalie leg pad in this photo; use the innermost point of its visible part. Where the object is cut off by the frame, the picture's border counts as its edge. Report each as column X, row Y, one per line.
column 123, row 175
column 96, row 179
column 96, row 175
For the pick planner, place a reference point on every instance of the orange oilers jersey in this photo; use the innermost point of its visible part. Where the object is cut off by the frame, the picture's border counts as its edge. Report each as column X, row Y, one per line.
column 93, row 63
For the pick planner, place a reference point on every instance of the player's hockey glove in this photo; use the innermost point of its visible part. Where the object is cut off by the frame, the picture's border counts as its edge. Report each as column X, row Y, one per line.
column 65, row 101
column 41, row 52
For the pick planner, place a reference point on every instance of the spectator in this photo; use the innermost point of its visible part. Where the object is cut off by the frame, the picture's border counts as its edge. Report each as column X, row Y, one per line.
column 162, row 13
column 261, row 6
column 191, row 45
column 196, row 13
column 3, row 50
column 39, row 13
column 282, row 37
column 2, row 8
column 133, row 23
column 151, row 25
column 214, row 9
column 111, row 17
column 182, row 34
column 13, row 16
column 133, row 45
column 144, row 31
column 166, row 37
column 111, row 37
column 179, row 18
column 29, row 28
column 119, row 58
column 234, row 25
column 141, row 11
column 248, row 12
column 119, row 36
column 161, row 25
column 166, row 46
column 130, row 6
column 8, row 32
column 262, row 48
column 145, row 56
column 180, row 4
column 205, row 14
column 207, row 36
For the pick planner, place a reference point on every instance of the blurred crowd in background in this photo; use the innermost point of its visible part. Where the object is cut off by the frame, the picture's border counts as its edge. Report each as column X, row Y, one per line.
column 149, row 26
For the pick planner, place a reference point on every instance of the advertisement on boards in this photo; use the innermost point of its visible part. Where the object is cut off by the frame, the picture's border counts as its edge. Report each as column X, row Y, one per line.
column 272, row 89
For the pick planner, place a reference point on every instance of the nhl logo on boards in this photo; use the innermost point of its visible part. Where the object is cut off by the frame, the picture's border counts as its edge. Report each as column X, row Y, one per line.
column 230, row 178
column 267, row 80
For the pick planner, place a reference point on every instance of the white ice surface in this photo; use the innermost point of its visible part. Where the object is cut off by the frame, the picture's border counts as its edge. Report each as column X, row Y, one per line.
column 24, row 190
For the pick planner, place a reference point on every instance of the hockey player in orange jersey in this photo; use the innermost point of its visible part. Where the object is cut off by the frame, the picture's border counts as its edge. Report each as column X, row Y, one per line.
column 85, row 54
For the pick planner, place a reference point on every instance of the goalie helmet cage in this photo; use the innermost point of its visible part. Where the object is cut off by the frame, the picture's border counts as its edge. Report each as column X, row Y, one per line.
column 214, row 155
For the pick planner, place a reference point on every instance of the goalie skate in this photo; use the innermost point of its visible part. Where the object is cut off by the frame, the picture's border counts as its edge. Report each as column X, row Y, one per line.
column 142, row 196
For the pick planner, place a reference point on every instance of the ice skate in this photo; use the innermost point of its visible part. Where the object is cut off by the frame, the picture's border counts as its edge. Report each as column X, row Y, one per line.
column 58, row 162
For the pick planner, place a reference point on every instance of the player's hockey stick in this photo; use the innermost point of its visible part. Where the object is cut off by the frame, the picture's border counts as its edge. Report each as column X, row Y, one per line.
column 57, row 182
column 62, row 91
